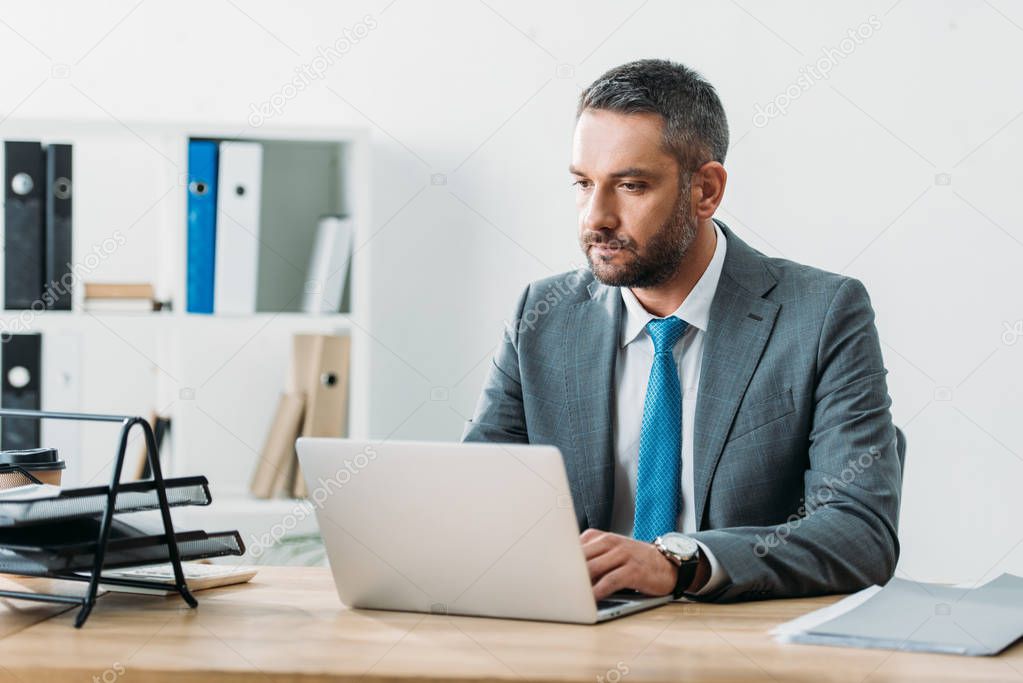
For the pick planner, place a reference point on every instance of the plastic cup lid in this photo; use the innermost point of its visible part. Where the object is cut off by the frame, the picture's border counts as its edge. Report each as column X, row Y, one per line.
column 44, row 458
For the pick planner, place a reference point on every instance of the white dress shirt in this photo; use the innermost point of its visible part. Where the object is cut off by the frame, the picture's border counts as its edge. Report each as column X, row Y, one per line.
column 632, row 372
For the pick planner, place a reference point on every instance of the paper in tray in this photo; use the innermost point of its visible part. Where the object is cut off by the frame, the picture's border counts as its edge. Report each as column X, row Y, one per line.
column 136, row 496
column 192, row 545
column 71, row 545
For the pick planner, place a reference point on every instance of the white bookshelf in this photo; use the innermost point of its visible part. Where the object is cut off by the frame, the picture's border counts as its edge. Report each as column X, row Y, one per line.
column 217, row 376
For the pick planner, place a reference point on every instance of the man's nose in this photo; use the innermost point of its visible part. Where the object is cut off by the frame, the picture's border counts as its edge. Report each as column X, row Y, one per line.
column 599, row 213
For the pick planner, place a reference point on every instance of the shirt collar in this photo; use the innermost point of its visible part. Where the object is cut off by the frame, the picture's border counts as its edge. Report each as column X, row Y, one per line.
column 695, row 309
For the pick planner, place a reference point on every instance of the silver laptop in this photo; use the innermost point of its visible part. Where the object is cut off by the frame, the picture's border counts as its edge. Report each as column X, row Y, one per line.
column 476, row 529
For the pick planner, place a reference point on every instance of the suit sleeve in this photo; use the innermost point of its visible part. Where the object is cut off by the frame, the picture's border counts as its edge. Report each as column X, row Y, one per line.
column 844, row 537
column 500, row 416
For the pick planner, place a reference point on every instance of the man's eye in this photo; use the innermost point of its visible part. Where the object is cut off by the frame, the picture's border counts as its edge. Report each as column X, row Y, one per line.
column 582, row 184
column 633, row 187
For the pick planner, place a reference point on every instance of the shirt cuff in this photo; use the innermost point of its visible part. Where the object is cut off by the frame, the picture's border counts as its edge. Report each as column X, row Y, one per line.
column 718, row 574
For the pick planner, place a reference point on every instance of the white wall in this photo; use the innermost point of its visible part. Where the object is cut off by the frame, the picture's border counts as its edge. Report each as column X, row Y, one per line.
column 848, row 180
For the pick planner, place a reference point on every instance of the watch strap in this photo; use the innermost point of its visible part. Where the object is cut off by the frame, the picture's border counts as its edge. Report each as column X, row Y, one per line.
column 686, row 574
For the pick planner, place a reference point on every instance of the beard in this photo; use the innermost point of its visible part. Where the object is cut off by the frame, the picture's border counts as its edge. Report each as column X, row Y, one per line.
column 648, row 266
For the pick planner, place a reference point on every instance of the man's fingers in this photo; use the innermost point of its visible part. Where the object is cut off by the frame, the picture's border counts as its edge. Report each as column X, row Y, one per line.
column 615, row 562
column 612, row 582
column 597, row 543
column 605, row 562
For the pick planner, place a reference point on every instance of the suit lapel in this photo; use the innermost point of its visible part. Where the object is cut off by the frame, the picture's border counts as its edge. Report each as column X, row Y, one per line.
column 591, row 347
column 740, row 324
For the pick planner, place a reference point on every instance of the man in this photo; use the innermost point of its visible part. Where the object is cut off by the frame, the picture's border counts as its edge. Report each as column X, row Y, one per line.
column 723, row 416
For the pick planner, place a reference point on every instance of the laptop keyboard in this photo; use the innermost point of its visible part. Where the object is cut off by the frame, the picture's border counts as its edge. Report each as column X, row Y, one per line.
column 605, row 604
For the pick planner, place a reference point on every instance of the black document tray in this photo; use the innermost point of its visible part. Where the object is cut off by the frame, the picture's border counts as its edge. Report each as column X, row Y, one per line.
column 92, row 500
column 45, row 537
column 34, row 558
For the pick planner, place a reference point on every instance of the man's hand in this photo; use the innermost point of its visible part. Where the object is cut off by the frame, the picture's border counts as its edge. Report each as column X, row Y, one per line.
column 617, row 562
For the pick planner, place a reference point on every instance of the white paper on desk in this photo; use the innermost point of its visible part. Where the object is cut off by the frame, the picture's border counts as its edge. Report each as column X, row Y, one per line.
column 29, row 492
column 784, row 633
column 918, row 617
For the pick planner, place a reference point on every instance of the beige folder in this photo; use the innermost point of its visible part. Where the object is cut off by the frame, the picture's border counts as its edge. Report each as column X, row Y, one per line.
column 276, row 462
column 320, row 371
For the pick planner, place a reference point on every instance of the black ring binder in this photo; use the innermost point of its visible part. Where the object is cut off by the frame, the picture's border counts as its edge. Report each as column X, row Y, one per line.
column 94, row 578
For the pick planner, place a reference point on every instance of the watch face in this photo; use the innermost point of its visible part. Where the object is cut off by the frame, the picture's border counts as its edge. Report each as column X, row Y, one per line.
column 683, row 546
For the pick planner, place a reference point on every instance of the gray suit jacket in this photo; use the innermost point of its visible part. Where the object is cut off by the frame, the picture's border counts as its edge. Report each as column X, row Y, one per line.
column 797, row 481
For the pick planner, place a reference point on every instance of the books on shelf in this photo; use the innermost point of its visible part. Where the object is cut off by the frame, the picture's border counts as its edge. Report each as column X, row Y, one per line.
column 119, row 297
column 314, row 404
column 202, row 220
column 233, row 187
column 224, row 195
column 80, row 355
column 58, row 270
column 236, row 258
column 274, row 470
column 118, row 290
column 23, row 224
column 328, row 265
column 40, row 371
column 20, row 387
column 38, row 271
column 320, row 369
column 251, row 205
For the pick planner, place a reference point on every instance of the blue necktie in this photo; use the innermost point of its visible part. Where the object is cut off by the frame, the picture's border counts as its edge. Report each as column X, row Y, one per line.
column 660, row 439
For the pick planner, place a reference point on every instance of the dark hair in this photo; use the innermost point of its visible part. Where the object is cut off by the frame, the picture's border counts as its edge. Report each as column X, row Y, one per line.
column 695, row 127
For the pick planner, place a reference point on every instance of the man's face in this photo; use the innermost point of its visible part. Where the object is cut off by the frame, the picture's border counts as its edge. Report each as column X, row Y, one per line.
column 636, row 221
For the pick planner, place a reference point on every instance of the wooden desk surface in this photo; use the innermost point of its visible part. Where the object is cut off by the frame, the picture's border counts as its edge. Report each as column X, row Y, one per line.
column 288, row 625
column 17, row 615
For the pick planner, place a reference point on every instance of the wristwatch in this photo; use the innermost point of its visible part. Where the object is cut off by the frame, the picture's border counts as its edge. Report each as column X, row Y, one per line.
column 684, row 553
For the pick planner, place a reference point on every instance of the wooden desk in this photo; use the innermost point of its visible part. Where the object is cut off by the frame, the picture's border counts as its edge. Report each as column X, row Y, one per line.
column 17, row 615
column 287, row 625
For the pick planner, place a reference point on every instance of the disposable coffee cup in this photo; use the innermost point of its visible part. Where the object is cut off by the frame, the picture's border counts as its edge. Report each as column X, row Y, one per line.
column 42, row 463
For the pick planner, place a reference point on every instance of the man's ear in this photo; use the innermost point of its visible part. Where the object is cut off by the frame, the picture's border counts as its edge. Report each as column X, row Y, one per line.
column 708, row 189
